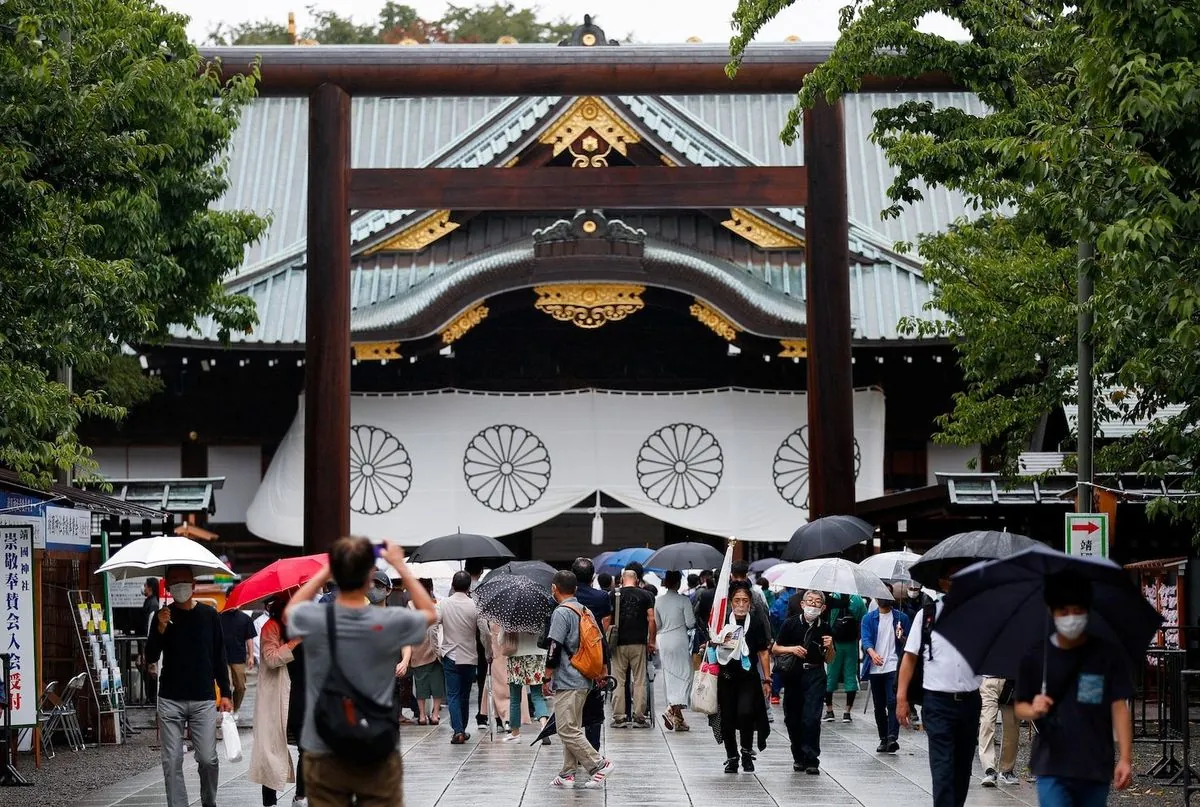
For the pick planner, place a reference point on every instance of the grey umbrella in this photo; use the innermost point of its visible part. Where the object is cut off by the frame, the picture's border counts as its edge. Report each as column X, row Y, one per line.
column 827, row 536
column 461, row 546
column 964, row 549
column 686, row 555
column 761, row 565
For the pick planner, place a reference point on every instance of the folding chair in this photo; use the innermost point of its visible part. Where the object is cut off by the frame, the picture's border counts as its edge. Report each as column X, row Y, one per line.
column 69, row 714
column 45, row 707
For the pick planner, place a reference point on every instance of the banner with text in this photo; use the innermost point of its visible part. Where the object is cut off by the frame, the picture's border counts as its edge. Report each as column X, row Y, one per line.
column 17, row 636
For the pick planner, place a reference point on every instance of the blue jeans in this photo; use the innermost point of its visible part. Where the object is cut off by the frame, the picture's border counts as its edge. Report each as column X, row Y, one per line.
column 1058, row 791
column 459, row 678
column 515, row 701
column 883, row 696
column 952, row 728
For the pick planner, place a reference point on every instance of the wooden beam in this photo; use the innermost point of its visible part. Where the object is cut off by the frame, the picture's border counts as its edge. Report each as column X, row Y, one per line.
column 624, row 187
column 830, row 380
column 327, row 338
column 530, row 70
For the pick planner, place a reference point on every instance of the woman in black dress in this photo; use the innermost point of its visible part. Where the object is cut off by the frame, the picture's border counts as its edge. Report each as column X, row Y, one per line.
column 744, row 682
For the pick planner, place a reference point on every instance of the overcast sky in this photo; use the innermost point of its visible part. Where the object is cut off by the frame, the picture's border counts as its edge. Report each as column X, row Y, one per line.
column 648, row 20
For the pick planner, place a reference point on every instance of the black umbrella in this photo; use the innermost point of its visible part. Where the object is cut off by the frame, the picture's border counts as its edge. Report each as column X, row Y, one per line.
column 460, row 546
column 593, row 713
column 516, row 603
column 963, row 550
column 538, row 571
column 687, row 555
column 827, row 536
column 996, row 611
column 761, row 565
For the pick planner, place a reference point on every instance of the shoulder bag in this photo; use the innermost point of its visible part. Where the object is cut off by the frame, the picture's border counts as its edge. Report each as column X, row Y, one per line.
column 355, row 727
column 916, row 684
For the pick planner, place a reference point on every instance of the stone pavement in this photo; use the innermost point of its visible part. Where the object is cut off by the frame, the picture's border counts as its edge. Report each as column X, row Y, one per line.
column 654, row 768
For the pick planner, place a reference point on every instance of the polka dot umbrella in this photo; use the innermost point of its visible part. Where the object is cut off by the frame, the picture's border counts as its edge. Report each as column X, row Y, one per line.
column 515, row 603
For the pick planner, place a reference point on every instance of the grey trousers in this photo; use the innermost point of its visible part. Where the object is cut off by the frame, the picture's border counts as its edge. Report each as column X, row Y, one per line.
column 201, row 717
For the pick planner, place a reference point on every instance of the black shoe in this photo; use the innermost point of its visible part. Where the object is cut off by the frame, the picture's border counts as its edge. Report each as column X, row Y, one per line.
column 893, row 746
column 731, row 765
column 481, row 720
column 797, row 767
column 747, row 761
column 828, row 718
column 846, row 717
column 882, row 747
column 812, row 770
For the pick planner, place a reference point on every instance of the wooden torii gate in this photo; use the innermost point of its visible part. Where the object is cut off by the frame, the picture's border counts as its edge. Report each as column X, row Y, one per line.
column 329, row 76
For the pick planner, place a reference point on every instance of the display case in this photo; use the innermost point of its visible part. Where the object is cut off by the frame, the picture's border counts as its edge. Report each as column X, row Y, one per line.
column 1163, row 584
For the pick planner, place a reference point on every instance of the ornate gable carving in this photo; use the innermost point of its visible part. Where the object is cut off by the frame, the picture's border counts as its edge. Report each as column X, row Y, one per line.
column 589, row 122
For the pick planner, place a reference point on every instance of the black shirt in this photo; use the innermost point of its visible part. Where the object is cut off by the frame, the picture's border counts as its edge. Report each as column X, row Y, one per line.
column 1076, row 739
column 798, row 632
column 193, row 654
column 237, row 627
column 634, row 625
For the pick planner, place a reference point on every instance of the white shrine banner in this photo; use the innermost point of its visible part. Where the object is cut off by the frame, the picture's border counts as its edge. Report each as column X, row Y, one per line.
column 723, row 462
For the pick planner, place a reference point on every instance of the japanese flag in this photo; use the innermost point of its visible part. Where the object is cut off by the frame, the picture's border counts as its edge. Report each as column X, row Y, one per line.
column 720, row 609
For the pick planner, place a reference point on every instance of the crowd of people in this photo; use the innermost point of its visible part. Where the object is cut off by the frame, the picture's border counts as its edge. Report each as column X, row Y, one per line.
column 339, row 670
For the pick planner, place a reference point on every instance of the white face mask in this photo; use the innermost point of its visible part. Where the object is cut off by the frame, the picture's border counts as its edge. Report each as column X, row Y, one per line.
column 1071, row 627
column 181, row 592
column 913, row 593
column 811, row 612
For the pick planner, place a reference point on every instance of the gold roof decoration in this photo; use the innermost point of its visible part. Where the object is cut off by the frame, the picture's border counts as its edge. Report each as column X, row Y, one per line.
column 591, row 113
column 507, row 39
column 465, row 322
column 721, row 326
column 793, row 348
column 376, row 351
column 760, row 232
column 589, row 305
column 419, row 235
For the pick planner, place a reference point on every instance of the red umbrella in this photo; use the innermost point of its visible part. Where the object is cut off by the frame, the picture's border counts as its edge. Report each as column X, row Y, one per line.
column 282, row 575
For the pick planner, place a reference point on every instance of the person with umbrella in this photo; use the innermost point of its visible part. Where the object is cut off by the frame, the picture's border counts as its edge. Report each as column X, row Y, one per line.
column 462, row 639
column 845, row 615
column 187, row 636
column 274, row 703
column 1076, row 687
column 950, row 700
column 808, row 640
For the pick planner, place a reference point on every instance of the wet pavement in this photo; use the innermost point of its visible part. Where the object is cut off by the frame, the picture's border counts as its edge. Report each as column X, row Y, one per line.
column 654, row 768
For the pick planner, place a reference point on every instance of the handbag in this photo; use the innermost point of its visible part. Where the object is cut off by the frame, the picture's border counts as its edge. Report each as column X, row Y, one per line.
column 785, row 663
column 704, row 686
column 916, row 684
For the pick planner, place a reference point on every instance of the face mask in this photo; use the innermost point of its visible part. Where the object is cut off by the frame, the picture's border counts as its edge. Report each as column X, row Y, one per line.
column 1071, row 627
column 740, row 610
column 376, row 595
column 811, row 612
column 181, row 592
column 913, row 593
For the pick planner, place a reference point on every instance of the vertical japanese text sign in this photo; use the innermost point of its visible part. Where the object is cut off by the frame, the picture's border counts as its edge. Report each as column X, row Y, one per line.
column 17, row 621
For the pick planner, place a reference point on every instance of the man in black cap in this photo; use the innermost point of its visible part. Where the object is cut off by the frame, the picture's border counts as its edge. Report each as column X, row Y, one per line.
column 1076, row 686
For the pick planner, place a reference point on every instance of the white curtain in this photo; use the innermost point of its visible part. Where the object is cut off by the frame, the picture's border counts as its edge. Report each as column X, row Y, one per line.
column 725, row 462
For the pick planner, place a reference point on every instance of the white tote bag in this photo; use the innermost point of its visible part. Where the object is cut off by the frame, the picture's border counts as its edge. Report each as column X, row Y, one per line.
column 231, row 738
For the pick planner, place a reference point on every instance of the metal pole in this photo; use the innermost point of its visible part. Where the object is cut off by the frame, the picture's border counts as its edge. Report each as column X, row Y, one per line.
column 1085, row 478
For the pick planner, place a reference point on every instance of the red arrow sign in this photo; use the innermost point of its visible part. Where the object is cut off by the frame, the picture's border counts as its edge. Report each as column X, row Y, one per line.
column 1086, row 526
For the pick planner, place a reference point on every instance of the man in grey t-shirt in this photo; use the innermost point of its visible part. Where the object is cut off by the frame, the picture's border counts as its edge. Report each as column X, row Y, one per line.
column 369, row 644
column 569, row 687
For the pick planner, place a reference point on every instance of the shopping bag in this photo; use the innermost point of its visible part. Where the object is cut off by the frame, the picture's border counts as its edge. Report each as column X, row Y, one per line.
column 704, row 691
column 231, row 738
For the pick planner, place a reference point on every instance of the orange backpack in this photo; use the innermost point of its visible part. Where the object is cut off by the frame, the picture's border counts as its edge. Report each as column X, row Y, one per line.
column 589, row 657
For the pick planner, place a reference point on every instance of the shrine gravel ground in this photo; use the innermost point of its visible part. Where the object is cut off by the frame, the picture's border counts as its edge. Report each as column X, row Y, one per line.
column 654, row 769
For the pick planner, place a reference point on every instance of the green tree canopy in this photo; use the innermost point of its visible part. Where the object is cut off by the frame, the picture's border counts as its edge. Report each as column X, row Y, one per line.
column 1089, row 134
column 483, row 23
column 109, row 139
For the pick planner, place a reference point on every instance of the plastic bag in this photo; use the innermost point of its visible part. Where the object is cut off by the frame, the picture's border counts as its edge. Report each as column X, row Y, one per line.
column 231, row 738
column 704, row 692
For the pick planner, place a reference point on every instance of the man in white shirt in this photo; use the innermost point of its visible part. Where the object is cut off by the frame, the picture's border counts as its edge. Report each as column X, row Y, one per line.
column 950, row 705
column 461, row 638
column 884, row 630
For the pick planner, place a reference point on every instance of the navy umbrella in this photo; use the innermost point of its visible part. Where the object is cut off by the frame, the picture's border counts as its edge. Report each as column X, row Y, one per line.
column 515, row 603
column 964, row 549
column 686, row 555
column 460, row 546
column 761, row 565
column 827, row 536
column 538, row 571
column 996, row 610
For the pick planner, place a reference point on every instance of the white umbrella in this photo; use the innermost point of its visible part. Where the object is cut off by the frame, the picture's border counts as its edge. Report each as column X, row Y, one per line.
column 891, row 565
column 153, row 556
column 775, row 571
column 835, row 575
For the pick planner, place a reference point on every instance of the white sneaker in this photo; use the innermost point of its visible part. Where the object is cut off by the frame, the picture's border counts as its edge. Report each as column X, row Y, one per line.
column 512, row 738
column 989, row 778
column 565, row 782
column 236, row 718
column 299, row 802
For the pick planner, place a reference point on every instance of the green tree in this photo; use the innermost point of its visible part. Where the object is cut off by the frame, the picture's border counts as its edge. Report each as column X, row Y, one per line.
column 1089, row 134
column 263, row 32
column 110, row 134
column 488, row 23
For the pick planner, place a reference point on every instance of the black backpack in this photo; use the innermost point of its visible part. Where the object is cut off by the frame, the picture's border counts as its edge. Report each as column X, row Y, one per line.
column 845, row 627
column 916, row 684
column 355, row 727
